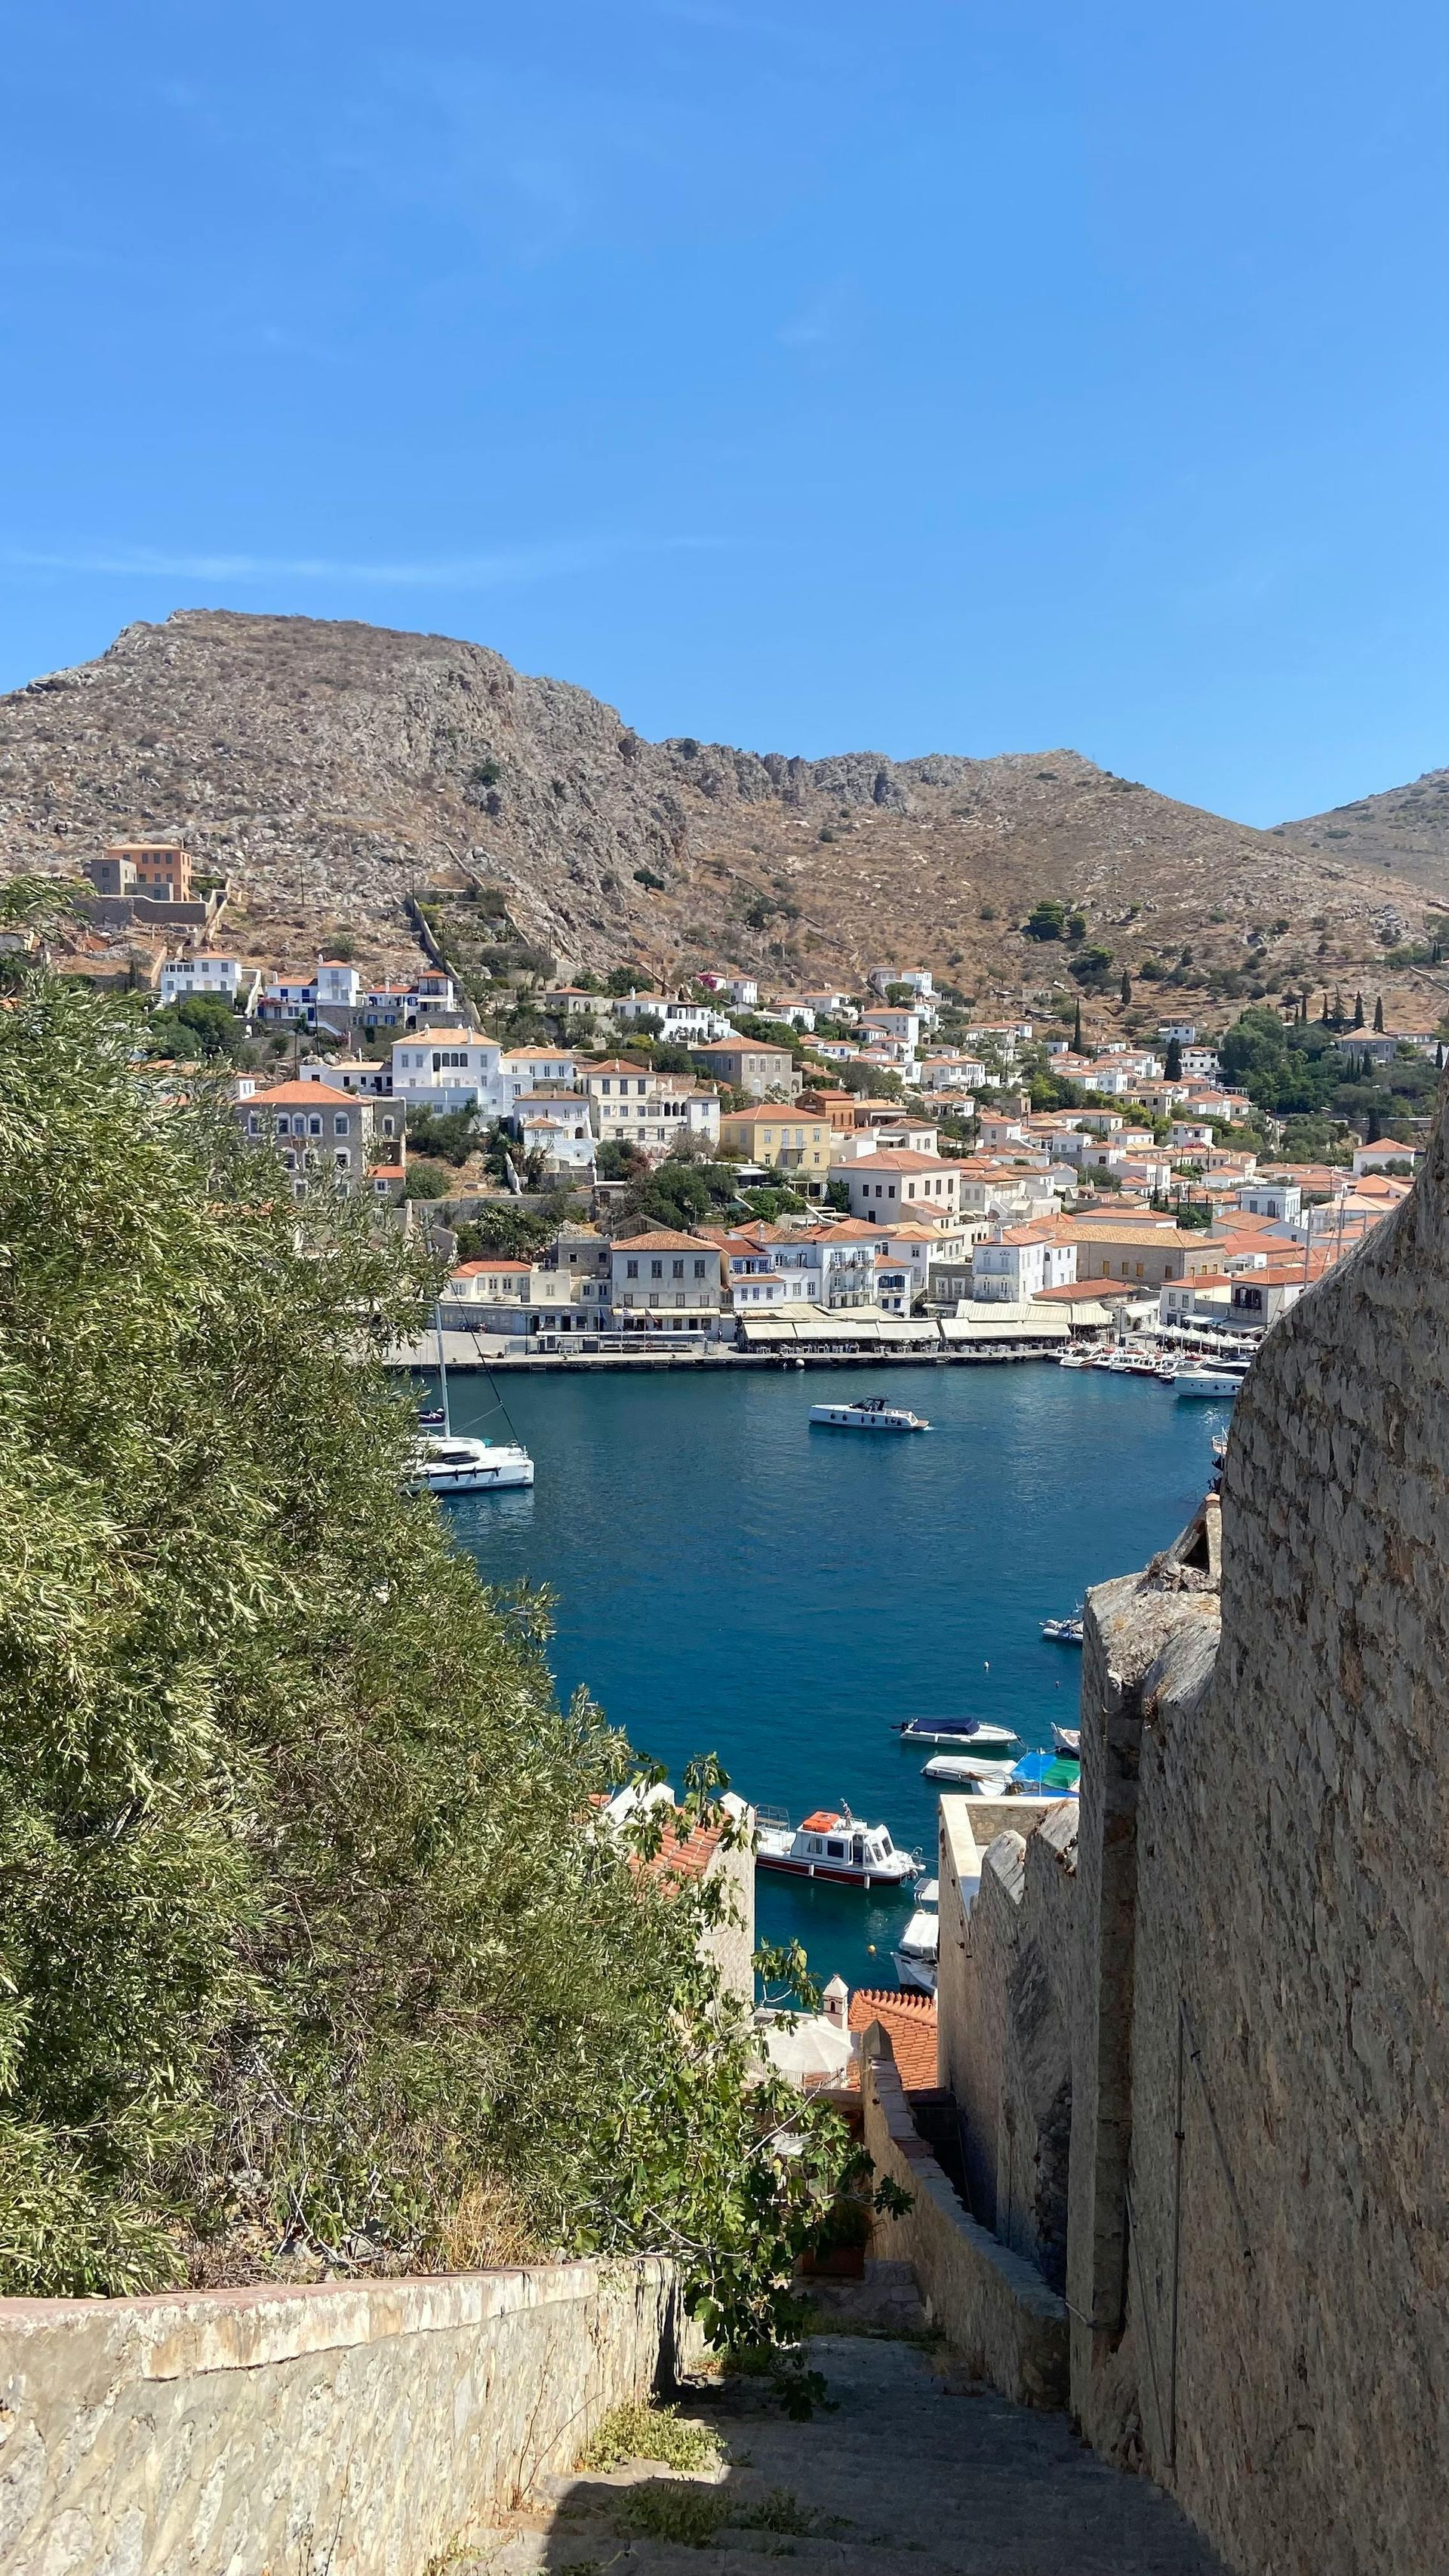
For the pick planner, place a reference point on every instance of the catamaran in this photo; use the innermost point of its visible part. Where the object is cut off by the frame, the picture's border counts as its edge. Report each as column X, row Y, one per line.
column 445, row 1462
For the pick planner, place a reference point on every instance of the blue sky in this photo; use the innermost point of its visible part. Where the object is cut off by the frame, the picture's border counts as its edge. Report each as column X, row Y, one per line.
column 795, row 373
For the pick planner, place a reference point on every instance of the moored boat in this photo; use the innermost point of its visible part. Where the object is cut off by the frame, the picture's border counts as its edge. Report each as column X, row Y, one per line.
column 444, row 1463
column 871, row 1413
column 1063, row 1632
column 1212, row 1385
column 967, row 1734
column 827, row 1845
column 917, row 1953
column 1068, row 1740
column 969, row 1771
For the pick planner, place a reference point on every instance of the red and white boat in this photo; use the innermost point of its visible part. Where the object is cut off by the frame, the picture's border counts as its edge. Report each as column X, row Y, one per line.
column 827, row 1845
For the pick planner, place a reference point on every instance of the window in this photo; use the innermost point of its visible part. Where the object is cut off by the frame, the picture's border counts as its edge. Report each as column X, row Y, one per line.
column 836, row 1851
column 254, row 1125
column 314, row 1127
column 631, row 1269
column 699, row 1269
column 676, row 1270
column 656, row 1269
column 341, row 1123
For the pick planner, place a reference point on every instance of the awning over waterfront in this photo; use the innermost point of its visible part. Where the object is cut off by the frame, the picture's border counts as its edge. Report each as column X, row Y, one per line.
column 988, row 1323
column 852, row 1327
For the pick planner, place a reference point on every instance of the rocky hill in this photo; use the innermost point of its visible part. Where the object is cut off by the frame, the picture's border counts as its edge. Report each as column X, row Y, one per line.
column 1406, row 830
column 331, row 767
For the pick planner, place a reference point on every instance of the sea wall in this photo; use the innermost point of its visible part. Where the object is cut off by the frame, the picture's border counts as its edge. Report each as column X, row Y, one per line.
column 1246, row 1946
column 990, row 2304
column 363, row 2429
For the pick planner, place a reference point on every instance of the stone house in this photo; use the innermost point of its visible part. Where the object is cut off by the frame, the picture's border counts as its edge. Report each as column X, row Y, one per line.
column 320, row 1134
column 662, row 1282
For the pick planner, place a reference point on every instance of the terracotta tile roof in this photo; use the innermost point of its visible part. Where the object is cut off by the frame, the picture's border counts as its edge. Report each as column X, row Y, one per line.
column 476, row 1269
column 616, row 1064
column 662, row 1241
column 689, row 1859
column 909, row 2022
column 302, row 1095
column 900, row 1158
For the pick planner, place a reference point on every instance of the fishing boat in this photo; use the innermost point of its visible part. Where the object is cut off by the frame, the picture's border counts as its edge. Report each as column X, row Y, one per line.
column 445, row 1462
column 871, row 1413
column 1068, row 1739
column 1064, row 1632
column 969, row 1771
column 967, row 1734
column 918, row 1951
column 827, row 1845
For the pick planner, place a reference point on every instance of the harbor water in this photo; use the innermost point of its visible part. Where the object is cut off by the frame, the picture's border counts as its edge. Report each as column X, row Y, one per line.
column 729, row 1580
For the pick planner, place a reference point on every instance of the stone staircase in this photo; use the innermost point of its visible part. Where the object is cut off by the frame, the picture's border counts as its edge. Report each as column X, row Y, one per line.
column 910, row 2472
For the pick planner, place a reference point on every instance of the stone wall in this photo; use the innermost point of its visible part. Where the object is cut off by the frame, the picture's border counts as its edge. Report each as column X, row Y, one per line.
column 360, row 2429
column 991, row 2306
column 1248, row 1953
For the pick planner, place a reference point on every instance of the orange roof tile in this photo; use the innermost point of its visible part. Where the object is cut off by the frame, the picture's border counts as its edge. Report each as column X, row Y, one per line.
column 909, row 2022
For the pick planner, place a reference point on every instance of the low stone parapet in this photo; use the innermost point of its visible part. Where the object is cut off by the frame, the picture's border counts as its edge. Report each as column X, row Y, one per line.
column 364, row 2428
column 991, row 2305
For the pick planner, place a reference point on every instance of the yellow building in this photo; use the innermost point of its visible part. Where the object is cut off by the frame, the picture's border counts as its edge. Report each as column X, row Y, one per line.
column 793, row 1142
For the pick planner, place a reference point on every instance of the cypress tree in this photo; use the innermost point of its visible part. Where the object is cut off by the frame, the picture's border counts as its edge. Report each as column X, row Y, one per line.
column 1379, row 1016
column 1323, row 1014
column 1358, row 1010
column 1077, row 1030
column 1172, row 1069
column 1126, row 988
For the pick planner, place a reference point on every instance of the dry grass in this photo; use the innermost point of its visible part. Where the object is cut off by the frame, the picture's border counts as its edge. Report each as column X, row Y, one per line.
column 640, row 2431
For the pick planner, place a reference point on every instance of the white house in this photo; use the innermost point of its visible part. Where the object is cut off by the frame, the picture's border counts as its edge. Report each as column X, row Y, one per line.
column 789, row 1007
column 211, row 978
column 1375, row 1158
column 538, row 1068
column 891, row 1024
column 1200, row 1063
column 832, row 1266
column 360, row 1074
column 632, row 1104
column 895, row 1182
column 916, row 1249
column 445, row 1069
column 881, row 978
column 952, row 1073
column 1020, row 1263
column 560, row 1132
column 1185, row 1031
column 1282, row 1200
column 684, row 1022
column 743, row 991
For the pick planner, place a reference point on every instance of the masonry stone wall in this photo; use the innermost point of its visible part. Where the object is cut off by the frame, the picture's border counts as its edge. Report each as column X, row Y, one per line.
column 989, row 2304
column 1249, row 1947
column 265, row 2432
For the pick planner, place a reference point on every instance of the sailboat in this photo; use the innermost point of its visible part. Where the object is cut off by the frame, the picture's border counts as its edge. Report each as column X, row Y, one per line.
column 444, row 1462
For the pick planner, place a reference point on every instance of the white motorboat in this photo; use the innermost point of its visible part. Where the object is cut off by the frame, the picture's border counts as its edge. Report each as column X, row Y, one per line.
column 445, row 1463
column 1213, row 1385
column 1075, row 1359
column 968, row 1771
column 827, row 1845
column 1063, row 1632
column 1068, row 1739
column 917, row 1953
column 872, row 1413
column 965, row 1734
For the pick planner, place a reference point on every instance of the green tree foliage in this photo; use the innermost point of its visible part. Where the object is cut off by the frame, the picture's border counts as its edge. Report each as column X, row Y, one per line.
column 427, row 1181
column 1046, row 920
column 449, row 1136
column 308, row 1932
column 1172, row 1063
column 195, row 1029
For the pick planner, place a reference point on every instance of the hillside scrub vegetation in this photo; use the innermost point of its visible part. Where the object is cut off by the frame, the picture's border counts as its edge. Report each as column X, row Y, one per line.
column 1296, row 1071
column 312, row 1949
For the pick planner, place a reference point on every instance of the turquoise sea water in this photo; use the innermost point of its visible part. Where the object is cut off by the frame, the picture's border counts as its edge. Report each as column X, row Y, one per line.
column 729, row 1580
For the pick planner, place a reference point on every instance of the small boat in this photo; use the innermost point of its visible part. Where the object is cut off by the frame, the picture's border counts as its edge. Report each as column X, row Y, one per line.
column 966, row 1733
column 918, row 1951
column 1075, row 1359
column 1068, row 1739
column 443, row 1463
column 969, row 1771
column 872, row 1413
column 827, row 1845
column 434, row 1418
column 1064, row 1632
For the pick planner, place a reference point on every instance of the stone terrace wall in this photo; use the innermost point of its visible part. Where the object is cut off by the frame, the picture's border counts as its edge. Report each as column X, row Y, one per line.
column 1292, row 1952
column 362, row 2430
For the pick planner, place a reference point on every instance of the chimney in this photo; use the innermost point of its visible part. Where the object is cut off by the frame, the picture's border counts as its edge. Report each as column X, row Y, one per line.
column 836, row 2000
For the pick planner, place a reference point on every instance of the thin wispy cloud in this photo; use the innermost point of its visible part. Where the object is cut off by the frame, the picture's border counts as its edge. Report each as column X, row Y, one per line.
column 506, row 565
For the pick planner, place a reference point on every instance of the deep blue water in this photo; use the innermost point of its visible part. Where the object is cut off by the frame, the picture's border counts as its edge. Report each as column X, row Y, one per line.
column 730, row 1581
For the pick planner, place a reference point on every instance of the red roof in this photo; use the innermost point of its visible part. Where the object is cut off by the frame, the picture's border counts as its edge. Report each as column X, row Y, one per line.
column 663, row 1241
column 900, row 1158
column 302, row 1095
column 909, row 2022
